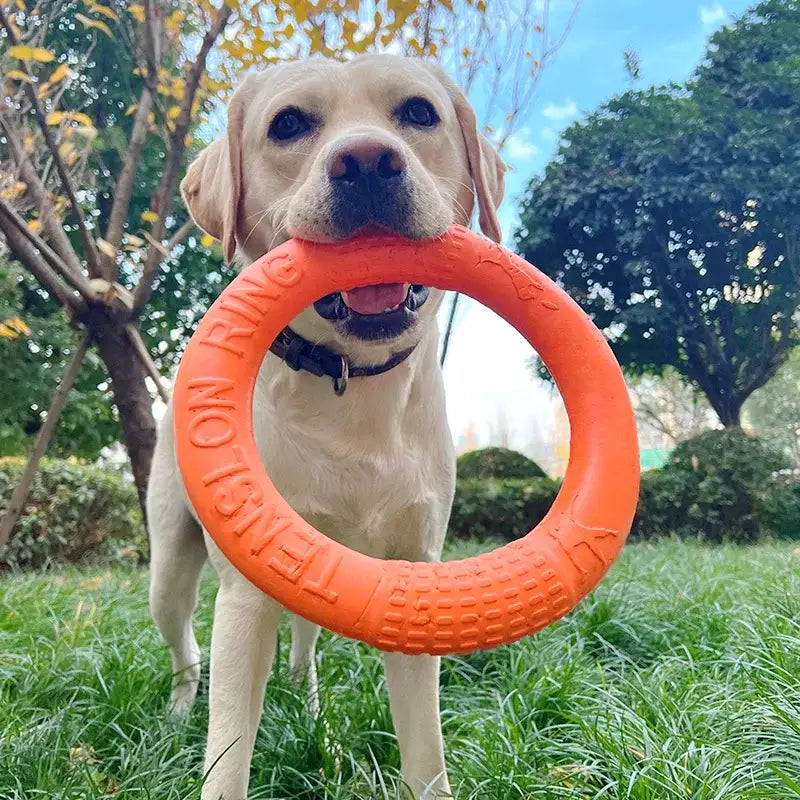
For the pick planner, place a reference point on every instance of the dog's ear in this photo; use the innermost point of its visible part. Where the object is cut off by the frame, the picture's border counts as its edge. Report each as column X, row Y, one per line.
column 494, row 171
column 485, row 165
column 213, row 183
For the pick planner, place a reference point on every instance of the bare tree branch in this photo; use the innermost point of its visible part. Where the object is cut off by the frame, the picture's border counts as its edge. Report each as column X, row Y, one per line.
column 124, row 187
column 27, row 254
column 180, row 235
column 166, row 189
column 39, row 195
column 21, row 490
column 152, row 42
column 66, row 181
column 448, row 331
column 147, row 362
column 77, row 280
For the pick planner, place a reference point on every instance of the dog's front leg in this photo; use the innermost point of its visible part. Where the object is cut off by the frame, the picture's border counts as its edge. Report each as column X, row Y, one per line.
column 242, row 650
column 413, row 683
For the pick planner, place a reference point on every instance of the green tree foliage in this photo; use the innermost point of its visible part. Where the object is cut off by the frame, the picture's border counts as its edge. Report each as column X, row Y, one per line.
column 672, row 215
column 33, row 363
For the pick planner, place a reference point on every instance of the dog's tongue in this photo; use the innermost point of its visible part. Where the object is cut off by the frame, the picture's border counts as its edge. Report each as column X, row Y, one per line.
column 375, row 299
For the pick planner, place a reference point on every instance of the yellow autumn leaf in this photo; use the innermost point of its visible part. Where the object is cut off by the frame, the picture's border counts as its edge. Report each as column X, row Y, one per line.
column 349, row 30
column 89, row 131
column 65, row 149
column 14, row 327
column 82, row 120
column 130, row 110
column 137, row 12
column 104, row 10
column 174, row 112
column 207, row 240
column 21, row 5
column 18, row 75
column 35, row 225
column 62, row 72
column 14, row 190
column 95, row 23
column 31, row 53
column 106, row 248
column 149, row 216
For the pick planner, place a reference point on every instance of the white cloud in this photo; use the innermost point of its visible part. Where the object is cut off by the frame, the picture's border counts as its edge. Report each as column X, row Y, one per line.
column 519, row 145
column 712, row 15
column 567, row 110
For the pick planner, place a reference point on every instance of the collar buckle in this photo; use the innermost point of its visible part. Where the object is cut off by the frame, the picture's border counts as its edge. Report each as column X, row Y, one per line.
column 340, row 382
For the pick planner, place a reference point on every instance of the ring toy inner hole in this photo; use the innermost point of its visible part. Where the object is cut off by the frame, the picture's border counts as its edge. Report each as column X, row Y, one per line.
column 439, row 608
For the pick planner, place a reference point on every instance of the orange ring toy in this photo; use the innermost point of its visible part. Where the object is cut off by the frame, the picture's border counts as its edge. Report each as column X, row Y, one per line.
column 449, row 607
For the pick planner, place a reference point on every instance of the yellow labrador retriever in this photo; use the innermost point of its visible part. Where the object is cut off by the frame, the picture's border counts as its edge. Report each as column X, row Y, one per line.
column 349, row 410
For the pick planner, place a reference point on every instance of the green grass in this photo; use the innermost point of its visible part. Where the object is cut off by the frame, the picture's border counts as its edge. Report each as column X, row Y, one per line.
column 678, row 678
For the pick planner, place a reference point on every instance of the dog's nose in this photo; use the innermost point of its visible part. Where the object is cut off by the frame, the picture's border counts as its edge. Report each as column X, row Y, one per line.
column 369, row 179
column 365, row 161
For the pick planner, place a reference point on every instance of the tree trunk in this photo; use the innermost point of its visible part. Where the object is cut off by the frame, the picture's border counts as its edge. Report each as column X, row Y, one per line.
column 729, row 410
column 131, row 397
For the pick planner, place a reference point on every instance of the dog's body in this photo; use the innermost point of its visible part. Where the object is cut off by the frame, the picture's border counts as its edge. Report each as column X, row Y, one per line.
column 320, row 150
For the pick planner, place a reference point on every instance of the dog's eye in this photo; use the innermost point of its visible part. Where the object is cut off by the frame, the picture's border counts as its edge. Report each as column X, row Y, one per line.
column 289, row 124
column 418, row 111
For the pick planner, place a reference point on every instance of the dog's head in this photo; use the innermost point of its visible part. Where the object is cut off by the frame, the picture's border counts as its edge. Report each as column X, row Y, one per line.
column 322, row 150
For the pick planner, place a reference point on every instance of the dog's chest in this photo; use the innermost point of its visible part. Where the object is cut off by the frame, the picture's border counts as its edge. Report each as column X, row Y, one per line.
column 367, row 481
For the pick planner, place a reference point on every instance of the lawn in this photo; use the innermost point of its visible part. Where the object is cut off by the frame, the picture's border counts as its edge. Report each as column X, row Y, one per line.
column 678, row 678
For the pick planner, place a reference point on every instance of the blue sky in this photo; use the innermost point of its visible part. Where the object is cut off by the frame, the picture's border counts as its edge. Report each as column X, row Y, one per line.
column 487, row 382
column 669, row 37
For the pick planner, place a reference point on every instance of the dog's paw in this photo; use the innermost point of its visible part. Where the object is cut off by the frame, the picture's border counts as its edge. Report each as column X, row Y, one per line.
column 182, row 699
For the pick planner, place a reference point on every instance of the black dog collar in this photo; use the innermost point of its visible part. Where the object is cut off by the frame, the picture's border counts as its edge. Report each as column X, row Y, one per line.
column 300, row 354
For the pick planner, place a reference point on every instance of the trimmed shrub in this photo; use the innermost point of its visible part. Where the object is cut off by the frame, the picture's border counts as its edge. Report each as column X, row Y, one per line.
column 497, row 462
column 778, row 505
column 716, row 486
column 75, row 512
column 500, row 509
